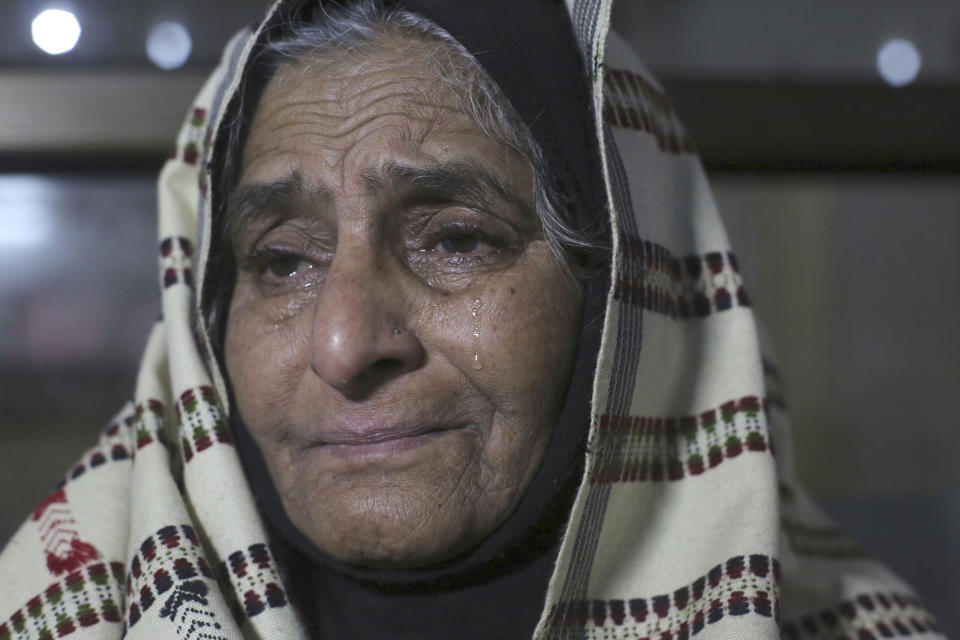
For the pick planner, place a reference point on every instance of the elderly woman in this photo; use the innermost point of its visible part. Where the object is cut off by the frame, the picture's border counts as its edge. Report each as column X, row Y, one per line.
column 453, row 346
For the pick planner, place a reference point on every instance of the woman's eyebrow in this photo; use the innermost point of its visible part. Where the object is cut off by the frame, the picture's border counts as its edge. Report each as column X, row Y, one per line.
column 465, row 180
column 462, row 180
column 249, row 202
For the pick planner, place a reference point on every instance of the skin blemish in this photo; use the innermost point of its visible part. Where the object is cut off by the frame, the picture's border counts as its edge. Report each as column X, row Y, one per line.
column 512, row 291
column 477, row 360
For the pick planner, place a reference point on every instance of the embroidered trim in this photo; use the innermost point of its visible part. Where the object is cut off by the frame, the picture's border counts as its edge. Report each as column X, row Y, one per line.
column 202, row 423
column 691, row 287
column 169, row 571
column 868, row 616
column 633, row 102
column 147, row 423
column 642, row 448
column 742, row 585
column 64, row 549
column 111, row 446
column 84, row 598
column 116, row 444
column 197, row 137
column 176, row 261
column 253, row 576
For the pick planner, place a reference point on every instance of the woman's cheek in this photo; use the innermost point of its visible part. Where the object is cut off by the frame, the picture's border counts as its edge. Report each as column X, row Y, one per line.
column 529, row 330
column 264, row 352
column 528, row 337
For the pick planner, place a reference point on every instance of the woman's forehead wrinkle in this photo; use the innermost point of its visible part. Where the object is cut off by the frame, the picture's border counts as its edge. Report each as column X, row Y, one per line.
column 328, row 128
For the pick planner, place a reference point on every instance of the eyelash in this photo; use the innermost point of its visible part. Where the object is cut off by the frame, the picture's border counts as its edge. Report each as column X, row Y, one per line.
column 259, row 258
column 496, row 243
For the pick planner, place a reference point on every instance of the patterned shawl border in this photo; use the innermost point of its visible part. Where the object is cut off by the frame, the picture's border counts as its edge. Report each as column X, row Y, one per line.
column 633, row 102
column 169, row 568
column 868, row 616
column 176, row 261
column 86, row 597
column 63, row 548
column 170, row 564
column 143, row 420
column 255, row 579
column 202, row 425
column 645, row 448
column 741, row 585
column 202, row 421
column 111, row 446
column 192, row 146
column 690, row 287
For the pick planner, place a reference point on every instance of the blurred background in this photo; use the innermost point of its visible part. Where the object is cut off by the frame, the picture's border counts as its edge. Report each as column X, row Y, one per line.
column 831, row 133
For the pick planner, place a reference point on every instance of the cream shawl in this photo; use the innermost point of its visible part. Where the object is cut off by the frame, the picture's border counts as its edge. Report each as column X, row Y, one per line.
column 688, row 521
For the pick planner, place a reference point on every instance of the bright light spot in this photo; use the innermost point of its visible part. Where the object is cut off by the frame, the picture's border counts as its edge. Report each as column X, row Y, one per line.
column 25, row 227
column 898, row 61
column 23, row 224
column 26, row 215
column 168, row 45
column 55, row 31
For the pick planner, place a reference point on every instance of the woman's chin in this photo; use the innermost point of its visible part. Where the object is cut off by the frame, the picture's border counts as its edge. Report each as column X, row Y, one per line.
column 401, row 526
column 397, row 544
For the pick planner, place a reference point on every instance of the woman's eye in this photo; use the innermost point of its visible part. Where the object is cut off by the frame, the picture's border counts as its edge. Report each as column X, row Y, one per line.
column 459, row 243
column 283, row 265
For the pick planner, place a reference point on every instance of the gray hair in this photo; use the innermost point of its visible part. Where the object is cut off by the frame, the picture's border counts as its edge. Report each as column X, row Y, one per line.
column 352, row 26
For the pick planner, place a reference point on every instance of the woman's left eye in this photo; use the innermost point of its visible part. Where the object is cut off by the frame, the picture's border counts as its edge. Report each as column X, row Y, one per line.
column 461, row 247
column 458, row 246
column 459, row 243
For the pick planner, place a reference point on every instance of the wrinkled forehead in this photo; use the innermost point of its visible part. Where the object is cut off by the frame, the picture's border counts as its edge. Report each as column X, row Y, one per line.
column 322, row 109
column 389, row 57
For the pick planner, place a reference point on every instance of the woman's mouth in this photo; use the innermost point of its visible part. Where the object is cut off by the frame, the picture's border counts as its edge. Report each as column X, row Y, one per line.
column 367, row 444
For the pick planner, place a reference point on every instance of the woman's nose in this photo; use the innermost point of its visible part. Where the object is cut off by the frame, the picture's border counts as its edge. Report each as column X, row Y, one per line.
column 360, row 338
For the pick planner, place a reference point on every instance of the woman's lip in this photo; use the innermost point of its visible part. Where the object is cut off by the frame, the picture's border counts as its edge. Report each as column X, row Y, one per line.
column 382, row 445
column 358, row 435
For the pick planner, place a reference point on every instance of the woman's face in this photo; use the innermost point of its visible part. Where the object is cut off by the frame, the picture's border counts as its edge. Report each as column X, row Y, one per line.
column 401, row 335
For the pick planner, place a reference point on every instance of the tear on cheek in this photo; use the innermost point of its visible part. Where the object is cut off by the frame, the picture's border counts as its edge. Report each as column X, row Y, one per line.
column 476, row 314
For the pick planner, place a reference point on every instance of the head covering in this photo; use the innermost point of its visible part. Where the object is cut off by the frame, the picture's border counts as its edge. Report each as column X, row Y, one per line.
column 687, row 521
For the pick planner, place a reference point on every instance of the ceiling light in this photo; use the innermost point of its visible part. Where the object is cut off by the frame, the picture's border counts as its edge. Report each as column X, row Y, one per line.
column 898, row 62
column 55, row 31
column 168, row 45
